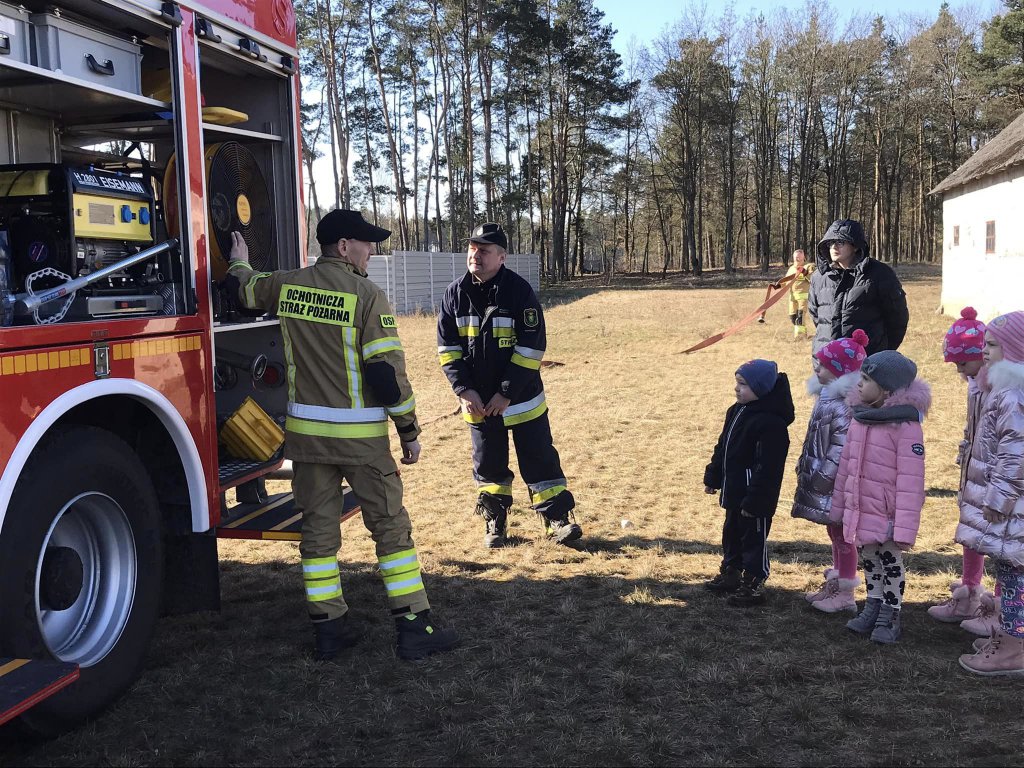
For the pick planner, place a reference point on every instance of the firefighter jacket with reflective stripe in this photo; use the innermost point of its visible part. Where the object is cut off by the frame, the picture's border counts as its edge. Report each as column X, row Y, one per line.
column 491, row 339
column 345, row 364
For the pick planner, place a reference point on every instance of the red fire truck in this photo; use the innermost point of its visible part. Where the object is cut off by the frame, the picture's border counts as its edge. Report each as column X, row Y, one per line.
column 135, row 135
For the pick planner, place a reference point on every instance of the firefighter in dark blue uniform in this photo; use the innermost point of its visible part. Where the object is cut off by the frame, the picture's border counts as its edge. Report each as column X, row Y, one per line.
column 490, row 335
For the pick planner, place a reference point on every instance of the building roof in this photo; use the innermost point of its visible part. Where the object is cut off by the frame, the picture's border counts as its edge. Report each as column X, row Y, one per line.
column 1003, row 152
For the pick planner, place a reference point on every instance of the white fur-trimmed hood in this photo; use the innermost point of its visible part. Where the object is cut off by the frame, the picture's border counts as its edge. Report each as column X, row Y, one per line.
column 835, row 389
column 1005, row 375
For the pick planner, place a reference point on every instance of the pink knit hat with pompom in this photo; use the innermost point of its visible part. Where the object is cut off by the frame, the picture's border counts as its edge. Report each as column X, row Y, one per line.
column 965, row 339
column 844, row 356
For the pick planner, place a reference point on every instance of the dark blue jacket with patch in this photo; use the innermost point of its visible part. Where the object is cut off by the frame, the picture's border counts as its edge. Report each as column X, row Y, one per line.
column 490, row 338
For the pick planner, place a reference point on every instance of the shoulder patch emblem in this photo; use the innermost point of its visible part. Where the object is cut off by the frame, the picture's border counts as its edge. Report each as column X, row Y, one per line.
column 388, row 321
column 918, row 449
column 530, row 318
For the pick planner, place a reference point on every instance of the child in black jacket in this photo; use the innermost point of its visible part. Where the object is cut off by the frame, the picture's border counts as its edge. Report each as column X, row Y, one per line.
column 746, row 469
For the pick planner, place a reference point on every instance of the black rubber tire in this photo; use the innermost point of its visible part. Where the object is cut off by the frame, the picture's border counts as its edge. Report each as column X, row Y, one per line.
column 68, row 462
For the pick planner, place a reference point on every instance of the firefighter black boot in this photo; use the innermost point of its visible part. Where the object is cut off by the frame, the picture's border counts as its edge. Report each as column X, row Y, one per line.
column 560, row 529
column 495, row 516
column 418, row 637
column 333, row 637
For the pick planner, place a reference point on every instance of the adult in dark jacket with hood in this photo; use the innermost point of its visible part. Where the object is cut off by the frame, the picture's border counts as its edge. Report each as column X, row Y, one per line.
column 852, row 291
column 747, row 468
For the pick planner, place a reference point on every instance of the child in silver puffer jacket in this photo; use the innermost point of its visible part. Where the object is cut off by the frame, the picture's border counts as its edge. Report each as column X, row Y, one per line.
column 837, row 370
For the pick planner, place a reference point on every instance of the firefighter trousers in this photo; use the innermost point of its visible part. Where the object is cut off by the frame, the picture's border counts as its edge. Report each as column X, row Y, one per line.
column 538, row 464
column 318, row 497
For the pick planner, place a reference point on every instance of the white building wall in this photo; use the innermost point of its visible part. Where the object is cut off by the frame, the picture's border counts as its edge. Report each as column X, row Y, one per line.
column 416, row 281
column 991, row 283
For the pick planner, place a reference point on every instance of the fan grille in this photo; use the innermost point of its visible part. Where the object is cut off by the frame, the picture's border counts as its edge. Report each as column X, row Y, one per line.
column 233, row 174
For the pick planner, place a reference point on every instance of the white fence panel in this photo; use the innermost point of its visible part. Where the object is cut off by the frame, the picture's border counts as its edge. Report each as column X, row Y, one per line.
column 415, row 281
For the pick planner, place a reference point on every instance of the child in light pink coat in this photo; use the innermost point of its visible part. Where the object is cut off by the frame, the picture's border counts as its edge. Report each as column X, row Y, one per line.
column 968, row 603
column 879, row 489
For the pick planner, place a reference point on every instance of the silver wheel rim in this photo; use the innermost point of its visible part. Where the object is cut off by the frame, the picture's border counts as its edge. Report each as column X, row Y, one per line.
column 97, row 529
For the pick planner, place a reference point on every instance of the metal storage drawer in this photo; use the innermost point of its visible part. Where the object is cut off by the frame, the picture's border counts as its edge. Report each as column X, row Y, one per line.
column 14, row 36
column 79, row 51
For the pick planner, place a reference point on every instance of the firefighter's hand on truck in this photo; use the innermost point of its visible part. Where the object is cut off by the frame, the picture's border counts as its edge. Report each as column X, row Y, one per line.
column 239, row 249
column 410, row 452
column 471, row 403
column 497, row 405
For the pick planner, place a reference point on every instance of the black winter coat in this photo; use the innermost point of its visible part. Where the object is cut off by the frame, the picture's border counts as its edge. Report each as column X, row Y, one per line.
column 869, row 296
column 750, row 457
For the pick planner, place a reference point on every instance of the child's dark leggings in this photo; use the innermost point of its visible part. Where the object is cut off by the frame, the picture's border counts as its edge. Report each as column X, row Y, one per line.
column 1010, row 581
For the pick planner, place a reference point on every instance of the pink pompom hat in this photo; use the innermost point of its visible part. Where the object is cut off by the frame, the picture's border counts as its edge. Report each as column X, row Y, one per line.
column 844, row 356
column 965, row 339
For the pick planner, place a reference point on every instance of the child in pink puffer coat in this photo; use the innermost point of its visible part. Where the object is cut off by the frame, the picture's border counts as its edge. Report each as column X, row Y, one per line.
column 879, row 489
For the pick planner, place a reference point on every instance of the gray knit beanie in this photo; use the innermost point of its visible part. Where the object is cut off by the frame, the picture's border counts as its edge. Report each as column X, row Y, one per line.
column 890, row 370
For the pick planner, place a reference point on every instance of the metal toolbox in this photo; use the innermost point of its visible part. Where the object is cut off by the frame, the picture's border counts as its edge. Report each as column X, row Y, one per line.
column 14, row 35
column 76, row 50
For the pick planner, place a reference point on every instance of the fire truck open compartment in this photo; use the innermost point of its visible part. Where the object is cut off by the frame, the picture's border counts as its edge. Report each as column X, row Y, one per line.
column 79, row 157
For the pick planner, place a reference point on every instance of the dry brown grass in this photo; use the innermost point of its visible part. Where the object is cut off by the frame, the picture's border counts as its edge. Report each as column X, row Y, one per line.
column 609, row 654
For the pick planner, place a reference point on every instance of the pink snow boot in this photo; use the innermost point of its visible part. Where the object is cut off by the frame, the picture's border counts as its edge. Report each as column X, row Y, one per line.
column 962, row 604
column 831, row 576
column 986, row 619
column 839, row 597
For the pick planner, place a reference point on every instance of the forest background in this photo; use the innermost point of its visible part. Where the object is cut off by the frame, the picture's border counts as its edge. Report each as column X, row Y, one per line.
column 727, row 142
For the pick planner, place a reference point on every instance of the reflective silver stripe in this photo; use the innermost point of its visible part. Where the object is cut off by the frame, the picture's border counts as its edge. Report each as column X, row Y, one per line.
column 336, row 415
column 503, row 322
column 442, row 350
column 515, row 410
column 404, row 407
column 324, row 568
column 417, row 581
column 533, row 354
column 355, row 372
column 467, row 320
column 395, row 563
column 543, row 486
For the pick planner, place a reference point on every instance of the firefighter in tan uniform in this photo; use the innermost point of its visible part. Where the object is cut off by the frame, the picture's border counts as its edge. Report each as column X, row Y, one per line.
column 346, row 377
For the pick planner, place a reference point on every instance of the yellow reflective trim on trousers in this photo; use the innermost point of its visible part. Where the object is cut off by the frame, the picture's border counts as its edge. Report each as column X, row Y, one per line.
column 319, row 560
column 396, row 556
column 325, row 596
column 530, row 415
column 547, row 493
column 472, row 331
column 414, row 585
column 525, row 362
column 327, row 429
column 497, row 490
column 449, row 357
column 472, row 419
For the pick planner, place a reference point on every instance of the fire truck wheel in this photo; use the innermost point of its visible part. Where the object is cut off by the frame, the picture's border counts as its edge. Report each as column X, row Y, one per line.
column 81, row 567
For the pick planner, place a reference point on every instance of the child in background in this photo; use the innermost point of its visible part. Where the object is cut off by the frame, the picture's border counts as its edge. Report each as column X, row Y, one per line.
column 963, row 345
column 747, row 468
column 992, row 504
column 837, row 371
column 879, row 490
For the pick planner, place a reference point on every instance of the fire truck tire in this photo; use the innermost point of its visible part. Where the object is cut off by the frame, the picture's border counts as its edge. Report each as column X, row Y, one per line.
column 81, row 569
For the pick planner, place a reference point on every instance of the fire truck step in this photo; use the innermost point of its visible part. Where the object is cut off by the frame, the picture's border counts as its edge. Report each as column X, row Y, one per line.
column 26, row 682
column 275, row 519
column 234, row 472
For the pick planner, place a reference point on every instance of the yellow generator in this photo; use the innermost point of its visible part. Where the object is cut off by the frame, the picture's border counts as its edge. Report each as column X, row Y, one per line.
column 58, row 222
